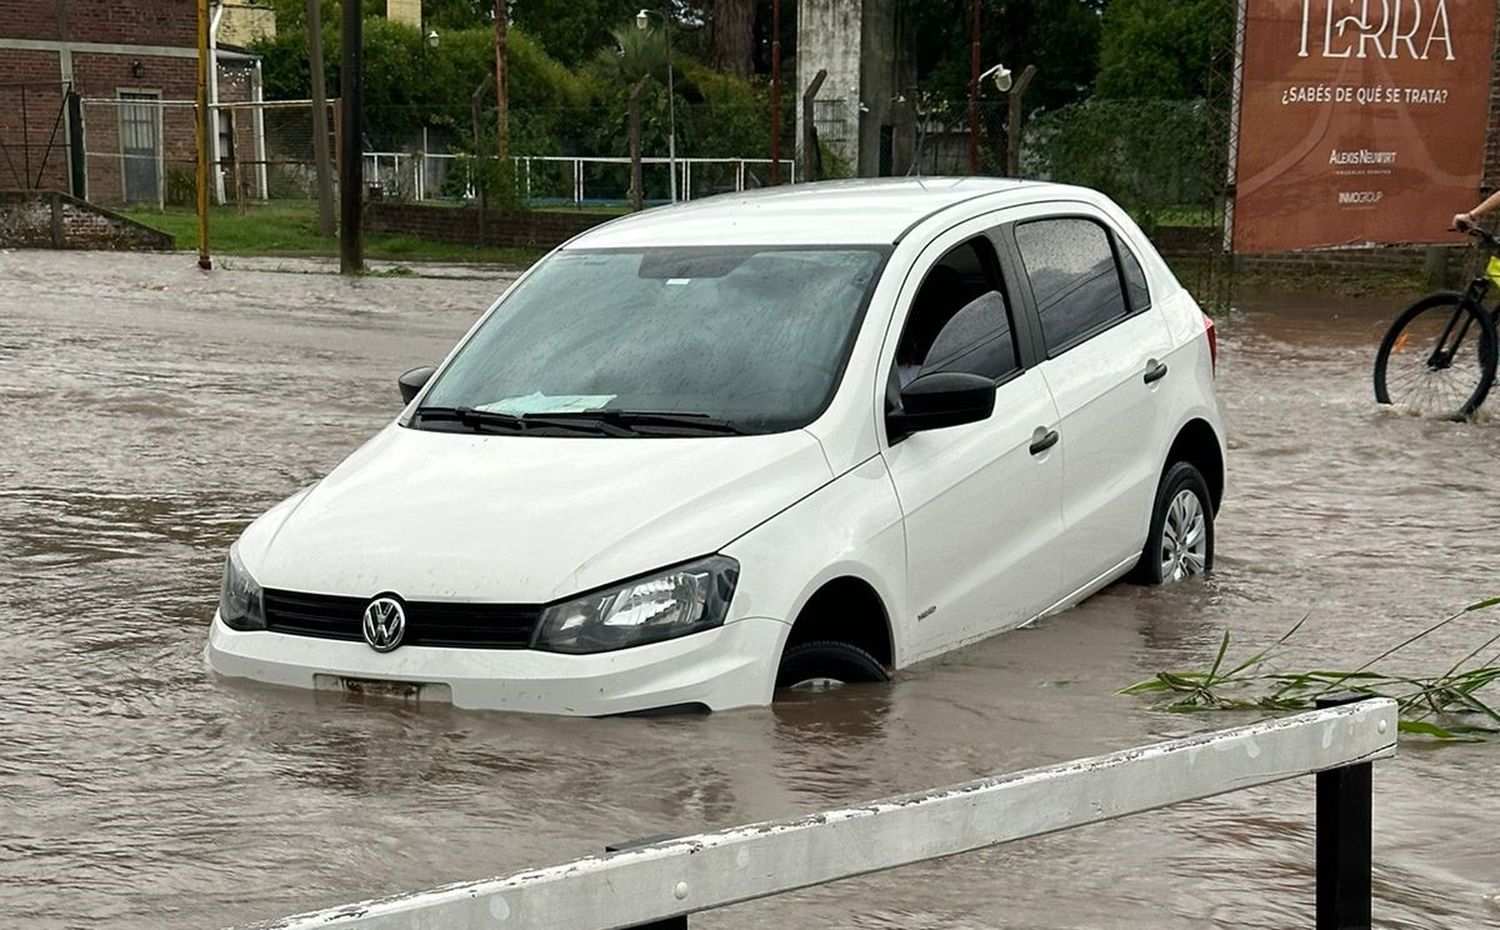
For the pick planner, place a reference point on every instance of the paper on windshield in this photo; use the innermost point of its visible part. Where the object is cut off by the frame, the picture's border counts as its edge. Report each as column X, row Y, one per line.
column 543, row 403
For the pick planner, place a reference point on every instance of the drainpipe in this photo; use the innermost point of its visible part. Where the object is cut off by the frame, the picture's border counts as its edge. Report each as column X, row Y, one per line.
column 213, row 100
column 258, row 94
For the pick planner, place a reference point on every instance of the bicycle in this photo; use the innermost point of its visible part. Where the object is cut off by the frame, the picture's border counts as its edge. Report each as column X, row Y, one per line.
column 1439, row 357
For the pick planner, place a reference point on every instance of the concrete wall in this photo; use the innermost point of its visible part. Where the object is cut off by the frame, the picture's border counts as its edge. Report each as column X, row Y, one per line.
column 460, row 225
column 52, row 220
column 830, row 35
column 246, row 23
column 404, row 11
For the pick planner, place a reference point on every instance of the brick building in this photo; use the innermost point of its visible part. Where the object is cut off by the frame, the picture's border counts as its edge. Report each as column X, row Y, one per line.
column 97, row 98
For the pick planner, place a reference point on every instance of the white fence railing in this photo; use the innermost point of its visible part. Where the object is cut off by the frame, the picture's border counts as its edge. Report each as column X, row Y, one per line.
column 422, row 175
column 660, row 883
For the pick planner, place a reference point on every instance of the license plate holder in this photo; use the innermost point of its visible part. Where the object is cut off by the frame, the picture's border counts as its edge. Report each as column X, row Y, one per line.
column 383, row 689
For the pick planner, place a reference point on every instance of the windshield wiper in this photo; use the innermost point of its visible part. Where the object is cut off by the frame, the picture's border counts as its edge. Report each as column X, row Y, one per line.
column 490, row 421
column 610, row 422
column 647, row 419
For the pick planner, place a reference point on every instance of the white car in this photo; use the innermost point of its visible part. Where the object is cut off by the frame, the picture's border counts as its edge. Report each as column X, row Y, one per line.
column 811, row 433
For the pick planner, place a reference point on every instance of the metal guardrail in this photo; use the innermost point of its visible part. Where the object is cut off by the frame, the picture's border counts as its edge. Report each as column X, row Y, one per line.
column 658, row 884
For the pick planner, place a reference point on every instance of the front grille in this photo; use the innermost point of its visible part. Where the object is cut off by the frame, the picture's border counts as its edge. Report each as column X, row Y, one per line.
column 428, row 623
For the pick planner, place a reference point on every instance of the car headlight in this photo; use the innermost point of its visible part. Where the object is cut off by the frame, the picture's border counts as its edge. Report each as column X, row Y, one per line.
column 241, row 606
column 666, row 605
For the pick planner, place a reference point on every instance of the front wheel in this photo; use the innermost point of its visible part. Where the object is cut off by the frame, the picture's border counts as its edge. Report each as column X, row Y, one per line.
column 1180, row 543
column 823, row 664
column 1438, row 359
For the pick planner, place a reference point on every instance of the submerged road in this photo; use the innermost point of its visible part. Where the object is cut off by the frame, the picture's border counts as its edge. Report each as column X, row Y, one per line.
column 150, row 412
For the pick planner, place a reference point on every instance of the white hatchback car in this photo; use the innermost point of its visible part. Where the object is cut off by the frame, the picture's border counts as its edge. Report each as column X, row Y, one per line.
column 815, row 432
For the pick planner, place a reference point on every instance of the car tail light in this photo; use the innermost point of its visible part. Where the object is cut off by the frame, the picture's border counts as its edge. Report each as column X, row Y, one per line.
column 1213, row 341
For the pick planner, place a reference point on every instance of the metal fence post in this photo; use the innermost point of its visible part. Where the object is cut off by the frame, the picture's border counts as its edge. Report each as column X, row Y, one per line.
column 671, row 923
column 1343, row 839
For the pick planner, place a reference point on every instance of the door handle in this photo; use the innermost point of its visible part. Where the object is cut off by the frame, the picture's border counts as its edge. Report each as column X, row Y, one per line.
column 1043, row 439
column 1155, row 371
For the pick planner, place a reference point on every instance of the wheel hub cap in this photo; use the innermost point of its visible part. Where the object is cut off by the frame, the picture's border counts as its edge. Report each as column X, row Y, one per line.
column 1184, row 538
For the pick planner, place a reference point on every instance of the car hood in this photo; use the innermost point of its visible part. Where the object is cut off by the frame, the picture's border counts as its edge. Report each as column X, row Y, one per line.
column 508, row 519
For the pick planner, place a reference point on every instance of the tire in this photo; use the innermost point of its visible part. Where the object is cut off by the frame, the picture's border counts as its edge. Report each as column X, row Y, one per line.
column 1162, row 560
column 826, row 660
column 1438, row 358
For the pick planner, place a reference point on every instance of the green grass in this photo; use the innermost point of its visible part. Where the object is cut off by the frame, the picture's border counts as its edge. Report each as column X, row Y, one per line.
column 290, row 229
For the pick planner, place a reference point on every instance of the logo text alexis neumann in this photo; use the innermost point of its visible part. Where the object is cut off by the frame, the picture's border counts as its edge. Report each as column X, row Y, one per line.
column 1361, row 157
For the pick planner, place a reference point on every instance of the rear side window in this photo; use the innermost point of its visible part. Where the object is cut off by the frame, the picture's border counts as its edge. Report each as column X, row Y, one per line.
column 959, row 320
column 1135, row 278
column 1071, row 265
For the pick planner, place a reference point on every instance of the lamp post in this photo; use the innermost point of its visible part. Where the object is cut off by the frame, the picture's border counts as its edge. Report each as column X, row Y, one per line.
column 641, row 22
column 1002, row 77
column 974, row 92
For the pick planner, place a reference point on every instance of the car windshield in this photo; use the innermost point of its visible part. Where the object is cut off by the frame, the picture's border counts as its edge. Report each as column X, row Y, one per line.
column 661, row 341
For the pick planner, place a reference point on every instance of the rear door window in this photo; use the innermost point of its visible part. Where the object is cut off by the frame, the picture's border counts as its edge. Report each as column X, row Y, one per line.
column 1075, row 280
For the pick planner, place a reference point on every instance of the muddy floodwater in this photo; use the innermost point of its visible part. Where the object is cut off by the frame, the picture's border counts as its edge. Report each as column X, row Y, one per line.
column 150, row 412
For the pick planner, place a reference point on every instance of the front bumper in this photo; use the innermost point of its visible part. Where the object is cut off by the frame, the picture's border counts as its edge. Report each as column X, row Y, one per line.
column 731, row 666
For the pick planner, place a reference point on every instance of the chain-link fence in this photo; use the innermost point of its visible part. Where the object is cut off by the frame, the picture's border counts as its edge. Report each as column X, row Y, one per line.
column 142, row 149
column 38, row 122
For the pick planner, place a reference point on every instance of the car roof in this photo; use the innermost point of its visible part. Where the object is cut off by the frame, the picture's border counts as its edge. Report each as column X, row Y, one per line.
column 857, row 212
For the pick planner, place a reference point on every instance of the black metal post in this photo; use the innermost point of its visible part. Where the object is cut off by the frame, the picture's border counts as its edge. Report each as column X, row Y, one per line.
column 351, row 151
column 671, row 923
column 1344, row 846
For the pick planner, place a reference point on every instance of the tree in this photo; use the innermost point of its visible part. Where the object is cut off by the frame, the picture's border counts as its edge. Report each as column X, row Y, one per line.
column 572, row 31
column 1162, row 49
column 1060, row 37
column 732, row 36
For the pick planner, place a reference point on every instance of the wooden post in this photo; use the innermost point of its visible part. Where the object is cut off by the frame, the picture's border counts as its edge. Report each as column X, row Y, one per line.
column 775, row 92
column 637, row 194
column 351, row 149
column 502, row 103
column 476, row 105
column 320, row 120
column 1013, row 123
column 811, row 156
column 204, row 261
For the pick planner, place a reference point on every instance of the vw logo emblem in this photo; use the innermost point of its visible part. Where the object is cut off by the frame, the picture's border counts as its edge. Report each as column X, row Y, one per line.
column 385, row 624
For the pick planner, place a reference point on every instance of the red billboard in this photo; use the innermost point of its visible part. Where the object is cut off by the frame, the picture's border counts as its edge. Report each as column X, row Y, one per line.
column 1360, row 121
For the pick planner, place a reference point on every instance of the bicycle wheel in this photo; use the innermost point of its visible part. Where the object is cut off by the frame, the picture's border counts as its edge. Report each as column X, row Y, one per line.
column 1438, row 359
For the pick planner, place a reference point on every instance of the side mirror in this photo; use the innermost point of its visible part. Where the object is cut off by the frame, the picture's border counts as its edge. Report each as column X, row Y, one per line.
column 413, row 381
column 942, row 399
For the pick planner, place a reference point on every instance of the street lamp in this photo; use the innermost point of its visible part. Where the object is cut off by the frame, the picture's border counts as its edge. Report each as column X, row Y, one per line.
column 1002, row 76
column 641, row 22
column 433, row 39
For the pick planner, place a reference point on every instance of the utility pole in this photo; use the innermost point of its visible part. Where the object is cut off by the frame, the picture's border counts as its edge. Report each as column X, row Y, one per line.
column 775, row 92
column 974, row 94
column 204, row 261
column 502, row 103
column 351, row 151
column 320, row 119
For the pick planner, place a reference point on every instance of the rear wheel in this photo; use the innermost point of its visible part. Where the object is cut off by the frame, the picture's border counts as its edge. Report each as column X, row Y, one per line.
column 827, row 663
column 1438, row 359
column 1180, row 543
